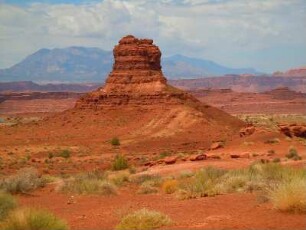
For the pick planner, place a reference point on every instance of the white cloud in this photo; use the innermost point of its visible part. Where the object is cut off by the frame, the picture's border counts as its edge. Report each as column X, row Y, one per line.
column 222, row 30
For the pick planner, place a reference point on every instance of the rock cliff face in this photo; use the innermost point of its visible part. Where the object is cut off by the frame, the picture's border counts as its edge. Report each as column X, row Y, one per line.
column 136, row 79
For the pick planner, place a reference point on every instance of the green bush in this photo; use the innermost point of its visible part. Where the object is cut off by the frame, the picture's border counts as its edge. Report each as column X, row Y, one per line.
column 31, row 219
column 65, row 154
column 292, row 153
column 24, row 181
column 143, row 219
column 115, row 141
column 7, row 204
column 120, row 163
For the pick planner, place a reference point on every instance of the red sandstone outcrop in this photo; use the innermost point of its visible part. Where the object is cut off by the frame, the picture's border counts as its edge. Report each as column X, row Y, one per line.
column 293, row 130
column 137, row 85
column 136, row 79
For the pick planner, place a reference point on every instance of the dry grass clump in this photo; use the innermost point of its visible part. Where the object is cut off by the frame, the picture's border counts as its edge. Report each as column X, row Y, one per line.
column 143, row 219
column 147, row 187
column 24, row 181
column 120, row 163
column 169, row 186
column 120, row 178
column 290, row 196
column 7, row 204
column 285, row 187
column 201, row 185
column 32, row 219
column 89, row 183
column 139, row 179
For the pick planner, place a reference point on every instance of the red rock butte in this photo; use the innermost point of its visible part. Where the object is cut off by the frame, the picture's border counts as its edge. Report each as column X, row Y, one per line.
column 136, row 78
column 137, row 92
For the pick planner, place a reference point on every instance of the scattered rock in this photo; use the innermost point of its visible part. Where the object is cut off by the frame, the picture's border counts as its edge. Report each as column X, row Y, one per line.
column 247, row 131
column 216, row 145
column 170, row 160
column 212, row 156
column 198, row 157
column 293, row 130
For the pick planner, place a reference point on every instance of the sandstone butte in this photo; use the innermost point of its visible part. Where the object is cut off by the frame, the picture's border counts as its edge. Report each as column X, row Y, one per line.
column 137, row 82
column 137, row 105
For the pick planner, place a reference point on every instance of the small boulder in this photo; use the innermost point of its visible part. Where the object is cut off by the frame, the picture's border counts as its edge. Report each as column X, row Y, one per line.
column 235, row 156
column 170, row 160
column 198, row 157
column 247, row 131
column 216, row 145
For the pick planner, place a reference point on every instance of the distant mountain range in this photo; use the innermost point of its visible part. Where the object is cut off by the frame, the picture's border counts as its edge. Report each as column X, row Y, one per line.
column 80, row 64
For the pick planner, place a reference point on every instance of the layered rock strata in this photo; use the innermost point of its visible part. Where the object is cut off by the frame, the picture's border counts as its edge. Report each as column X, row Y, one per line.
column 136, row 79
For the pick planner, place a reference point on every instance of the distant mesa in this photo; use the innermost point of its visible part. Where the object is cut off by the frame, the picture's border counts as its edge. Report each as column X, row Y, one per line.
column 296, row 72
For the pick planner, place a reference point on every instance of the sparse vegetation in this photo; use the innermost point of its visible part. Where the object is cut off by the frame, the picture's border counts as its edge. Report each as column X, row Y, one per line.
column 7, row 204
column 120, row 178
column 32, row 219
column 24, row 181
column 143, row 219
column 147, row 187
column 115, row 141
column 290, row 196
column 293, row 154
column 89, row 183
column 120, row 163
column 65, row 154
column 169, row 186
column 271, row 177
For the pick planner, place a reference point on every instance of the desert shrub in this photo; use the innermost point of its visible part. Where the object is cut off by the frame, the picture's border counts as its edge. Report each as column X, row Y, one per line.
column 132, row 169
column 147, row 187
column 7, row 204
column 93, row 186
column 202, row 184
column 115, row 141
column 64, row 154
column 155, row 180
column 169, row 186
column 163, row 155
column 120, row 163
column 50, row 155
column 24, row 181
column 31, row 219
column 89, row 183
column 293, row 154
column 186, row 174
column 290, row 196
column 120, row 178
column 143, row 219
column 271, row 152
column 276, row 160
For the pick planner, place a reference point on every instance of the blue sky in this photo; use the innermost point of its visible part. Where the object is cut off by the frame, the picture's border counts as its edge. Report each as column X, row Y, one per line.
column 268, row 35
